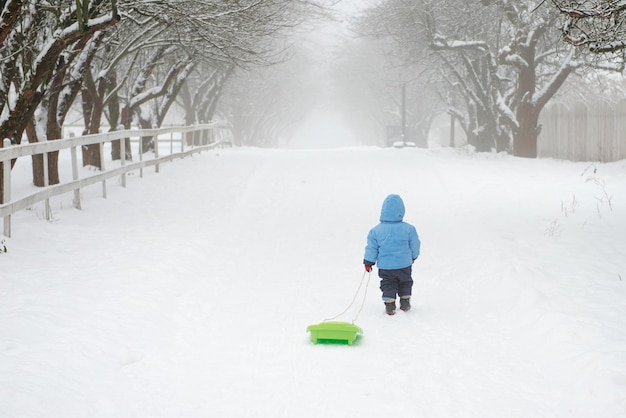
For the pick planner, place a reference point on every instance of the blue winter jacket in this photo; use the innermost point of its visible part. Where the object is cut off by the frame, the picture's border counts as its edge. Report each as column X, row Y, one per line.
column 392, row 244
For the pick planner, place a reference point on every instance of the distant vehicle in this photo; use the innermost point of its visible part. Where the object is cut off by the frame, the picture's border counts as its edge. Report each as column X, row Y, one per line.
column 403, row 144
column 397, row 139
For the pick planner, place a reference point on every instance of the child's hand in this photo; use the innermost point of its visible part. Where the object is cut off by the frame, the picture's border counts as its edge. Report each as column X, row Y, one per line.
column 368, row 268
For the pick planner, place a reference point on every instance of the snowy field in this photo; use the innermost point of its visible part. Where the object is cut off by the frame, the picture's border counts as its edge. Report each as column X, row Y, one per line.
column 188, row 293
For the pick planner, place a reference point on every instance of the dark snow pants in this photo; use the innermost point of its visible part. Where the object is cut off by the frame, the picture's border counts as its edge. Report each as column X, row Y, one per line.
column 397, row 282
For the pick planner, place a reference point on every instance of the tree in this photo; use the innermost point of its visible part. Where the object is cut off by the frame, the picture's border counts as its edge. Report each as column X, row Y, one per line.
column 200, row 93
column 367, row 95
column 164, row 44
column 34, row 41
column 261, row 105
column 31, row 68
column 461, row 73
column 600, row 26
column 502, row 58
column 49, row 43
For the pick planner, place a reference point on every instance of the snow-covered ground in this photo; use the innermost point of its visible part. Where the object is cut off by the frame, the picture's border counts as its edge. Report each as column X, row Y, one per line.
column 188, row 293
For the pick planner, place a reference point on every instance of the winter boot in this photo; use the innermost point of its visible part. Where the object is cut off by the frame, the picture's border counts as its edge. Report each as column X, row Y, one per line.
column 390, row 307
column 405, row 303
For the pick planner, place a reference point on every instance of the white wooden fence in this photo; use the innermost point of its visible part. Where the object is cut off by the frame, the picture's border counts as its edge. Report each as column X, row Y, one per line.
column 211, row 135
column 583, row 132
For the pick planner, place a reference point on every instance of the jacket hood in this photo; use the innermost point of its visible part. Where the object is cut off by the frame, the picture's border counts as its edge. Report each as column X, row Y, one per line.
column 393, row 209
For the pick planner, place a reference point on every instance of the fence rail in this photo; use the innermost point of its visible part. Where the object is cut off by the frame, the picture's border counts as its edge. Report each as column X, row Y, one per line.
column 210, row 136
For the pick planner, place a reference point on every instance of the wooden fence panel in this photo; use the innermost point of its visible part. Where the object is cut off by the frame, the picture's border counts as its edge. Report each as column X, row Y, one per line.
column 601, row 131
column 619, row 151
column 581, row 132
column 577, row 142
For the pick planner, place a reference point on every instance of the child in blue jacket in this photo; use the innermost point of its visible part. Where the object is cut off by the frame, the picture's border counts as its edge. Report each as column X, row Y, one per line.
column 394, row 246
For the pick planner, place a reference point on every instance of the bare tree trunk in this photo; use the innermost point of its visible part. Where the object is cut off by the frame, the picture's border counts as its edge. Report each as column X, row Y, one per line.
column 126, row 121
column 13, row 126
column 93, row 108
column 37, row 161
column 527, row 113
column 146, row 141
column 525, row 142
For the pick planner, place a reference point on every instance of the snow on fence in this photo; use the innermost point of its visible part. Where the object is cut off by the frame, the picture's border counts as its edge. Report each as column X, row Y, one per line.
column 584, row 132
column 207, row 135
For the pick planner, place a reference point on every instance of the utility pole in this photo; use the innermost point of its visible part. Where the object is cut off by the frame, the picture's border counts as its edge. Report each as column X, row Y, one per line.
column 452, row 123
column 403, row 110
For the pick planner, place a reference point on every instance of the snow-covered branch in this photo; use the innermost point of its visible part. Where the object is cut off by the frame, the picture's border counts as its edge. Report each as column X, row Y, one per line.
column 508, row 57
column 556, row 81
column 600, row 25
column 440, row 42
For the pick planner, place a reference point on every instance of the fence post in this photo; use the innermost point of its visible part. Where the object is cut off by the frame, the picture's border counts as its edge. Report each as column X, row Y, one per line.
column 46, row 183
column 156, row 152
column 6, row 166
column 141, row 156
column 104, row 182
column 172, row 142
column 123, row 159
column 75, row 177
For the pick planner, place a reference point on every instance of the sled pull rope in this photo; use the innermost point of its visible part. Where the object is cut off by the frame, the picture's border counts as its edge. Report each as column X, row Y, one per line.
column 354, row 298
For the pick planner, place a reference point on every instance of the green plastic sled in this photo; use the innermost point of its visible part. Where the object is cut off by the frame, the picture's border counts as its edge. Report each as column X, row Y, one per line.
column 334, row 332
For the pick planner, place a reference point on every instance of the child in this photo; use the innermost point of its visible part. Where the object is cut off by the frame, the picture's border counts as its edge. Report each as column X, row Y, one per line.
column 394, row 245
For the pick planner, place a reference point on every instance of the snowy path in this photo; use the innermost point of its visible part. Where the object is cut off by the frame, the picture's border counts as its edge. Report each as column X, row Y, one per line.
column 188, row 293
